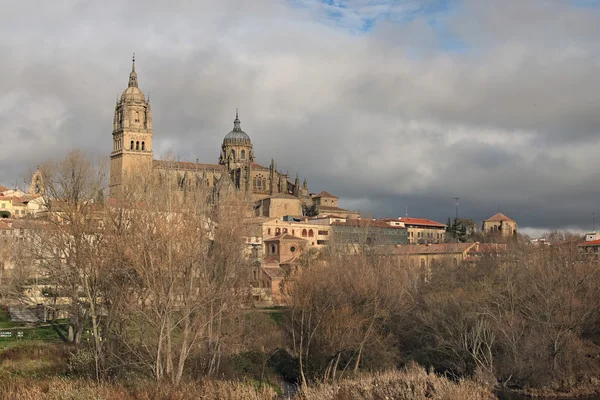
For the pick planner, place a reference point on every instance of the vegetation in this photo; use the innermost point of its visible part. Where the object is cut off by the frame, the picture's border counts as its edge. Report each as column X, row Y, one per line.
column 159, row 306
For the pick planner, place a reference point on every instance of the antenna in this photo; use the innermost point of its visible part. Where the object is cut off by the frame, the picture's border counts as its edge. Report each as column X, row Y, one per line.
column 456, row 199
column 405, row 211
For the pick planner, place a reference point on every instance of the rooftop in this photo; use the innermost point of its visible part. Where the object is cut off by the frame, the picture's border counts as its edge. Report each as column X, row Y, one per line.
column 499, row 217
column 420, row 221
column 325, row 194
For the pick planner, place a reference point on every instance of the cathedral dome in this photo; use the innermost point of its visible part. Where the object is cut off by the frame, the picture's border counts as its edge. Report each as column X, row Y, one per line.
column 237, row 135
column 133, row 94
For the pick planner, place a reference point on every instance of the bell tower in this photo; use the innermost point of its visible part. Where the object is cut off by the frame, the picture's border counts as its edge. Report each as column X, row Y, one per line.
column 132, row 135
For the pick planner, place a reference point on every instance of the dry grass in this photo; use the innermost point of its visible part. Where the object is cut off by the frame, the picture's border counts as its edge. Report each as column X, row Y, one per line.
column 67, row 389
column 412, row 383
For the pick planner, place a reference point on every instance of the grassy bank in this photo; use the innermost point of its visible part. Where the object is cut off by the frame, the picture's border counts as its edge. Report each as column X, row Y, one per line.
column 33, row 370
column 410, row 383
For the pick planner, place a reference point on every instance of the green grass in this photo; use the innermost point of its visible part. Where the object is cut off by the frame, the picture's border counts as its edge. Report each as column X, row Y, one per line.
column 46, row 332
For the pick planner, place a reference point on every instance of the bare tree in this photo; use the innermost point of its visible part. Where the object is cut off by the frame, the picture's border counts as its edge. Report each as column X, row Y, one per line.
column 69, row 248
column 187, row 276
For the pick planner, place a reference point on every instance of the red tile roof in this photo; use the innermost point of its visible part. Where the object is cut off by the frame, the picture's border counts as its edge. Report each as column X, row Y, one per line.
column 590, row 243
column 326, row 194
column 421, row 222
column 499, row 217
column 3, row 188
column 257, row 166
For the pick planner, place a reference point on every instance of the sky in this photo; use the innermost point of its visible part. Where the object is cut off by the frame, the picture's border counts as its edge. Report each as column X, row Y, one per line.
column 391, row 105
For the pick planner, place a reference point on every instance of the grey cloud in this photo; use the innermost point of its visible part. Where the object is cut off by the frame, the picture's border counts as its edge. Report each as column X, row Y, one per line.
column 384, row 120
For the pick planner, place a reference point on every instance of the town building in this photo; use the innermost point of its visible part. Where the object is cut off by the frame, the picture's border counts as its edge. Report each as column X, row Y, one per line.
column 501, row 225
column 589, row 250
column 369, row 232
column 420, row 230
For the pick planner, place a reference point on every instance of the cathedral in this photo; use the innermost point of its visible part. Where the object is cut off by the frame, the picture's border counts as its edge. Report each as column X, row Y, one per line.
column 236, row 167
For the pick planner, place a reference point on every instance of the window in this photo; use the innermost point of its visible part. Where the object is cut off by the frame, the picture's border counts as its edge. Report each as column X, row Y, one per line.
column 304, row 233
column 292, row 249
column 277, row 231
column 232, row 153
column 293, row 232
column 137, row 145
column 3, row 205
column 269, row 231
column 273, row 249
column 284, row 230
column 137, row 116
column 243, row 154
column 323, row 233
column 311, row 233
column 321, row 241
column 143, row 146
column 131, row 148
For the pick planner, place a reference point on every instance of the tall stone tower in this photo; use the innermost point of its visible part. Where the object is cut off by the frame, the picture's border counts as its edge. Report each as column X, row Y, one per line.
column 132, row 135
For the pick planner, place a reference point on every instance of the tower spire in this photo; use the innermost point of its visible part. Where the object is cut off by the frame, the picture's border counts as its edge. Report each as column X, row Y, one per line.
column 133, row 78
column 236, row 122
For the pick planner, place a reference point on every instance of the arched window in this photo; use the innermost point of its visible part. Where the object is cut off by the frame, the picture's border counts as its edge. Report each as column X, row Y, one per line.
column 269, row 231
column 422, row 263
column 131, row 145
column 137, row 145
column 273, row 249
column 232, row 153
column 264, row 183
column 284, row 230
column 137, row 116
column 243, row 154
column 254, row 182
column 143, row 146
column 303, row 232
column 311, row 233
column 277, row 231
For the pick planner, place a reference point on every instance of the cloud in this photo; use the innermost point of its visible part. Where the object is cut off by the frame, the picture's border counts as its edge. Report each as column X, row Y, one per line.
column 385, row 103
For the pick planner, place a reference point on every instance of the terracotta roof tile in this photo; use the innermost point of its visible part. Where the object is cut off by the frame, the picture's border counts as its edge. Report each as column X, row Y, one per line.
column 590, row 243
column 499, row 217
column 421, row 222
column 257, row 166
column 326, row 194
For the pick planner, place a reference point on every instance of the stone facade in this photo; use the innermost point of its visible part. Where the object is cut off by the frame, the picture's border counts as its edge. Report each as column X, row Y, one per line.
column 500, row 225
column 236, row 167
